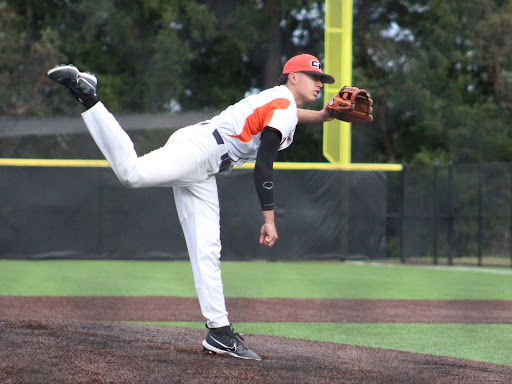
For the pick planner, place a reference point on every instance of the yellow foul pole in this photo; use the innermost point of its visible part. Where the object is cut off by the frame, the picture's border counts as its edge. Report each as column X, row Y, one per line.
column 338, row 63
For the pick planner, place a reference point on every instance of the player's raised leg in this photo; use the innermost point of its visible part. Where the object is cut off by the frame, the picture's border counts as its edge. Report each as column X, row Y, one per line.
column 166, row 166
column 114, row 143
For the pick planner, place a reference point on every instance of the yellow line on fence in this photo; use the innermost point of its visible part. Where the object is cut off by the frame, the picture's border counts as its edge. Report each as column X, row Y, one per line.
column 277, row 165
column 333, row 166
column 53, row 163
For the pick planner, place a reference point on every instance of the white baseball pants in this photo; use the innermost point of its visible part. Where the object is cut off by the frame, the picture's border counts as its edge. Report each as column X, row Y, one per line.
column 188, row 162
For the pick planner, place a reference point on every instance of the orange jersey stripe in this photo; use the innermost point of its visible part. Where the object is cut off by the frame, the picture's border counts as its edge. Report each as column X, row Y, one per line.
column 260, row 118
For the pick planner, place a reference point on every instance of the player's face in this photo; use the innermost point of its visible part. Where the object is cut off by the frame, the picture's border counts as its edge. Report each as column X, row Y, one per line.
column 308, row 87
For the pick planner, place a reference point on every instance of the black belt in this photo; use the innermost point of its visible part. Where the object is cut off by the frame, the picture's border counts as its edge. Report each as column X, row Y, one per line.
column 218, row 138
column 225, row 162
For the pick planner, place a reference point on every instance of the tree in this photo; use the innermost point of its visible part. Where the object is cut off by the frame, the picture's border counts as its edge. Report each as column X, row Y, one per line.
column 23, row 63
column 439, row 72
column 432, row 86
column 262, row 31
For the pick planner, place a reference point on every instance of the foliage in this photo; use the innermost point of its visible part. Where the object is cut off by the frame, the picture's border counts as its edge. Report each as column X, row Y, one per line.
column 439, row 72
column 23, row 60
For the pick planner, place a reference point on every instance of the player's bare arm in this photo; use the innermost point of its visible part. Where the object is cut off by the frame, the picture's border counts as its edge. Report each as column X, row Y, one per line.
column 310, row 116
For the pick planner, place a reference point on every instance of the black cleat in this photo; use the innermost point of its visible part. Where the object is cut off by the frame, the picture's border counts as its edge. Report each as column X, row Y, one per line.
column 81, row 85
column 224, row 341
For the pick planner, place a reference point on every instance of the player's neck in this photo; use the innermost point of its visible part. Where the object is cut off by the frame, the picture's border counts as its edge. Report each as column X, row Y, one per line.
column 296, row 96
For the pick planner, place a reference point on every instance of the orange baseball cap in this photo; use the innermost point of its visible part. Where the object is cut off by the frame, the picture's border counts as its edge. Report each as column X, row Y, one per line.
column 307, row 64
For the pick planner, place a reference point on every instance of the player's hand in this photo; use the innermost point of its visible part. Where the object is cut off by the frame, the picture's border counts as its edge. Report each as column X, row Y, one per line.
column 325, row 114
column 268, row 235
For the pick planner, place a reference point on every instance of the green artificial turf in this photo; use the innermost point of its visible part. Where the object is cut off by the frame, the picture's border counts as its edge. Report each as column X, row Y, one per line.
column 254, row 279
column 482, row 342
column 479, row 342
column 95, row 278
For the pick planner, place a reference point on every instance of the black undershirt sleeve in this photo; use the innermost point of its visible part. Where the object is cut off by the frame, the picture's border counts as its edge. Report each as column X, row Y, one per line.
column 263, row 169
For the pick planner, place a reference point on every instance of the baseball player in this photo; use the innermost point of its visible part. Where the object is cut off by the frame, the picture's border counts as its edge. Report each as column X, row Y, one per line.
column 253, row 130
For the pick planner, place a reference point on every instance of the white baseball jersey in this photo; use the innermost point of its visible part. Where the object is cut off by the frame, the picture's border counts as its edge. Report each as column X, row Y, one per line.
column 241, row 124
column 188, row 162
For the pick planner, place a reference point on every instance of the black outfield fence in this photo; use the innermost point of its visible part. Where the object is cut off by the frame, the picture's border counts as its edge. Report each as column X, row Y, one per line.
column 456, row 213
column 447, row 214
column 84, row 212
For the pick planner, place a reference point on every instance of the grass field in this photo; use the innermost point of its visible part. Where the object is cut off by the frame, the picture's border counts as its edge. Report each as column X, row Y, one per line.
column 482, row 342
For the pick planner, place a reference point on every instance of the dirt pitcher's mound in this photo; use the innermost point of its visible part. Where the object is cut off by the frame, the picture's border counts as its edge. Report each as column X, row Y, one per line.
column 151, row 308
column 97, row 352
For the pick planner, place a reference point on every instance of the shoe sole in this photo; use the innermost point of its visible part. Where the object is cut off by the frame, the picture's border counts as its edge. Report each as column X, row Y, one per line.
column 224, row 352
column 86, row 75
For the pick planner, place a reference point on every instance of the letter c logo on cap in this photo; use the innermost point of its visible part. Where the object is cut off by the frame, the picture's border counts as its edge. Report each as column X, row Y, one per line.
column 315, row 64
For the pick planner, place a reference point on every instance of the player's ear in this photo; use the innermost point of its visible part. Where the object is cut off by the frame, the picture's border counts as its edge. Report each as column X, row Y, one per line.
column 292, row 78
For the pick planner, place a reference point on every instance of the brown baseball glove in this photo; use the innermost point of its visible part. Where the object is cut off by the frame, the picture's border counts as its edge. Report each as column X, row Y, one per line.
column 351, row 104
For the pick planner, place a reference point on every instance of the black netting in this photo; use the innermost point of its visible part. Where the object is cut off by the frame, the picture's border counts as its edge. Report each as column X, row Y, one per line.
column 458, row 213
column 444, row 214
column 87, row 213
